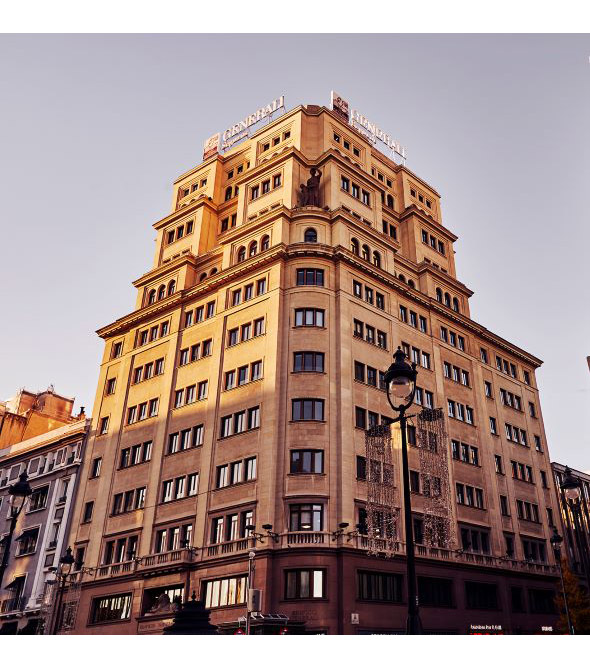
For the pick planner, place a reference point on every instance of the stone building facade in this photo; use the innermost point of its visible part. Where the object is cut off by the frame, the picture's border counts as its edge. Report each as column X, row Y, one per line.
column 52, row 462
column 575, row 532
column 238, row 390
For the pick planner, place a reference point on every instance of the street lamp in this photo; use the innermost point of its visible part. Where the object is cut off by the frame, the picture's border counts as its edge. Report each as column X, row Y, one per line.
column 400, row 380
column 556, row 541
column 65, row 567
column 570, row 487
column 20, row 491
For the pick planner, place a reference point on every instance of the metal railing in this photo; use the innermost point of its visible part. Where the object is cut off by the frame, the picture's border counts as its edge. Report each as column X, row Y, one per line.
column 12, row 604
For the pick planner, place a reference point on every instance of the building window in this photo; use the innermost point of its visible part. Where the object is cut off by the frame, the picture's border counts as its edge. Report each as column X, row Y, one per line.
column 128, row 501
column 309, row 318
column 435, row 591
column 306, row 517
column 310, row 277
column 375, row 586
column 475, row 540
column 534, row 550
column 95, row 468
column 38, row 499
column 225, row 592
column 307, row 409
column 104, row 425
column 110, row 387
column 240, row 422
column 498, row 464
column 304, row 584
column 135, row 455
column 306, row 461
column 27, row 541
column 504, row 510
column 308, row 361
column 310, row 236
column 111, row 608
column 483, row 596
column 88, row 509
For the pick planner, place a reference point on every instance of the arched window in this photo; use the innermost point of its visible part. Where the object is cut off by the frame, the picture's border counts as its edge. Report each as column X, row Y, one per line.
column 401, row 277
column 213, row 271
column 310, row 236
column 152, row 296
column 411, row 283
column 228, row 193
column 447, row 300
column 162, row 292
column 438, row 295
column 376, row 259
column 203, row 276
column 354, row 246
column 365, row 252
column 253, row 250
column 171, row 287
column 455, row 304
column 390, row 201
column 242, row 254
column 265, row 243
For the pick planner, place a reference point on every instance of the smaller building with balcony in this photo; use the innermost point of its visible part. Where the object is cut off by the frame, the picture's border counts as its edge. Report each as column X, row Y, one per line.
column 51, row 462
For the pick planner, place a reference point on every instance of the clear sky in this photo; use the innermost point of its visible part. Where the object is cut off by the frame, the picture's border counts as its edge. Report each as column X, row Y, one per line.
column 93, row 130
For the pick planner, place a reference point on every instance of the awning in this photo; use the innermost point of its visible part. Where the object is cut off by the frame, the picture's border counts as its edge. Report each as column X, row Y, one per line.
column 14, row 583
column 31, row 532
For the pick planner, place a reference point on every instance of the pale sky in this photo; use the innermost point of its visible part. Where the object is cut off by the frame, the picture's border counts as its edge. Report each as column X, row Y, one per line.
column 94, row 129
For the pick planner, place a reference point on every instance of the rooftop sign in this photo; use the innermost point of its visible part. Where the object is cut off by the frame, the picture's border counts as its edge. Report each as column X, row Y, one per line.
column 220, row 142
column 366, row 127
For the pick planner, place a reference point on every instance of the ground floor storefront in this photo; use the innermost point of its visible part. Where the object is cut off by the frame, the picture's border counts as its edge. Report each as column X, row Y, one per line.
column 325, row 591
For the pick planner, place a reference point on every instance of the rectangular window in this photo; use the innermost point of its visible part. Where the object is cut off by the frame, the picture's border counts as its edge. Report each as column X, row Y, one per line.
column 95, row 468
column 304, row 584
column 310, row 277
column 306, row 462
column 104, row 424
column 306, row 517
column 436, row 592
column 379, row 587
column 483, row 596
column 111, row 608
column 307, row 409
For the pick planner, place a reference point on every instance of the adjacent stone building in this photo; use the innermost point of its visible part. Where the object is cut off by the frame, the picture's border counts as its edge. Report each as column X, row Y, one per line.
column 237, row 392
column 51, row 460
column 576, row 531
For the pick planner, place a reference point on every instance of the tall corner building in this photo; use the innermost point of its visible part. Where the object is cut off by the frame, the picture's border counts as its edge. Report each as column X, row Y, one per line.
column 238, row 390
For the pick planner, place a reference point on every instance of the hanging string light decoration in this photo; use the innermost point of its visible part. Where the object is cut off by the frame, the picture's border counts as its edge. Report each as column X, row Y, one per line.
column 382, row 511
column 431, row 439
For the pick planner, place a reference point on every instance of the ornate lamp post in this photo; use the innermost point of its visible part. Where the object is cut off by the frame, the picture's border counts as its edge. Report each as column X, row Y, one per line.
column 556, row 541
column 570, row 487
column 20, row 492
column 65, row 567
column 400, row 381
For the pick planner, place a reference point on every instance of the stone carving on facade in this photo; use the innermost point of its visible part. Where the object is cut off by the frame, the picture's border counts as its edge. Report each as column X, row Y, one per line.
column 164, row 605
column 310, row 192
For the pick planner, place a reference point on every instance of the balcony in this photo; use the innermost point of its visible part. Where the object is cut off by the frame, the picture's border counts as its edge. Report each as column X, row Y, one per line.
column 464, row 557
column 12, row 605
column 116, row 569
column 171, row 558
column 236, row 546
column 289, row 539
